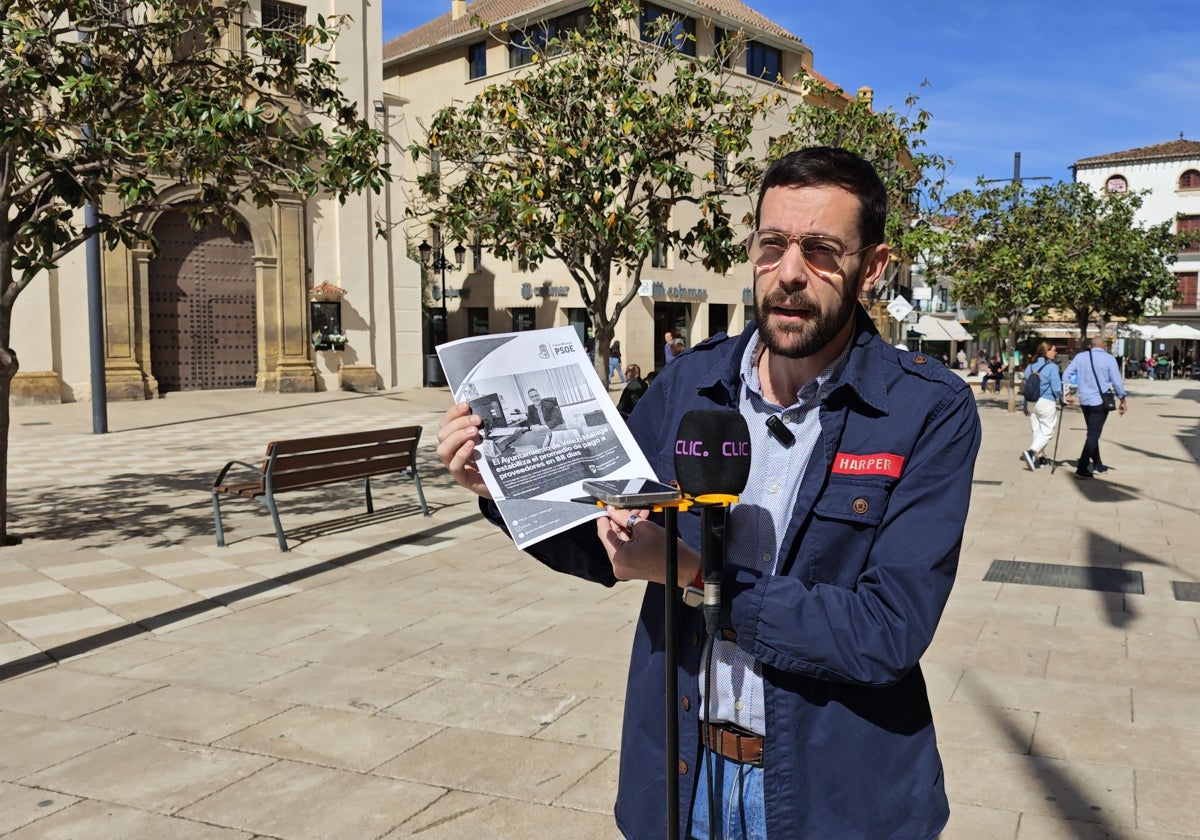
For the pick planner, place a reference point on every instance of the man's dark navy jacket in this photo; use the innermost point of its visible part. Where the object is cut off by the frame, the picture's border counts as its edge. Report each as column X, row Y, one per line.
column 867, row 564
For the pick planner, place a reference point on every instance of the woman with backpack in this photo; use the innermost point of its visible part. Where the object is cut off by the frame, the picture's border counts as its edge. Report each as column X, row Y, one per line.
column 1041, row 394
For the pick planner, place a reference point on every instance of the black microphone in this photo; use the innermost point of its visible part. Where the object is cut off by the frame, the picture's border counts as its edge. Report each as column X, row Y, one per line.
column 779, row 431
column 712, row 460
column 712, row 453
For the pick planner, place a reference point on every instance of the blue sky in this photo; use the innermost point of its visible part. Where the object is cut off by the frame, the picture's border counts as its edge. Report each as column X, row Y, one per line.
column 1056, row 80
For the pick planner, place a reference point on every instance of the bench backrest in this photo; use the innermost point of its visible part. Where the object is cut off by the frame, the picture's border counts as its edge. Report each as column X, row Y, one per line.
column 307, row 462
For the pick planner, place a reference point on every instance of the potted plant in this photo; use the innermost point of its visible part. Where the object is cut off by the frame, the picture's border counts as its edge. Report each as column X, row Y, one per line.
column 329, row 341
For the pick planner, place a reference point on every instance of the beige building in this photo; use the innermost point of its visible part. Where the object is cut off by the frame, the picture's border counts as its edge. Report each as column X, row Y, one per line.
column 249, row 309
column 450, row 60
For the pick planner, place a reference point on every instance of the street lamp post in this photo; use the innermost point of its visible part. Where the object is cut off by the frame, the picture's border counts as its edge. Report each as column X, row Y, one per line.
column 440, row 263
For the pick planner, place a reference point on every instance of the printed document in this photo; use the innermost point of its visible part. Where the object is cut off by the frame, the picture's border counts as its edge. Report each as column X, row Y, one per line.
column 549, row 424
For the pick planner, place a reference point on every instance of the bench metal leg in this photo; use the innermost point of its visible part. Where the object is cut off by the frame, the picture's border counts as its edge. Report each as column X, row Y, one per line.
column 420, row 493
column 216, row 502
column 367, row 490
column 269, row 501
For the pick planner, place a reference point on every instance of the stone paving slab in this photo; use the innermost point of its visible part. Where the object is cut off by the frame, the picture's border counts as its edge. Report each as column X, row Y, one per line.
column 395, row 675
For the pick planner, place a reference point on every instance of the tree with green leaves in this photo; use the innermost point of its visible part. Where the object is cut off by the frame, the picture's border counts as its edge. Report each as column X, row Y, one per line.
column 585, row 156
column 991, row 242
column 588, row 156
column 113, row 98
column 1059, row 248
column 1103, row 263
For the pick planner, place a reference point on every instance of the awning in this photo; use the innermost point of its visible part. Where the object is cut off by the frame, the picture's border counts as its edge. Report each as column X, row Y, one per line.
column 1142, row 331
column 1171, row 331
column 940, row 329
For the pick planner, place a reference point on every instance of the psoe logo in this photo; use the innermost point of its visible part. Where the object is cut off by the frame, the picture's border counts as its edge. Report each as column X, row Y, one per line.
column 543, row 351
column 563, row 349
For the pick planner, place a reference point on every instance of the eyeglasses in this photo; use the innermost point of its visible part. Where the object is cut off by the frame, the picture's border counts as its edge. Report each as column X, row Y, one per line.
column 822, row 254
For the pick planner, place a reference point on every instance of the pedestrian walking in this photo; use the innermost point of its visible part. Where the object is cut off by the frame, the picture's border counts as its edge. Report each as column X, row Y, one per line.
column 1099, row 386
column 1042, row 409
column 668, row 337
column 677, row 348
column 614, row 362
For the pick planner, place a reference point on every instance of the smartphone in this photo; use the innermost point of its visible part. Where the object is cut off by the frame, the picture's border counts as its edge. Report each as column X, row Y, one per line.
column 632, row 492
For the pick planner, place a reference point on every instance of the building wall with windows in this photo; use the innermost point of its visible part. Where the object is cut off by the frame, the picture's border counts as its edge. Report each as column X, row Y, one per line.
column 449, row 60
column 218, row 309
column 1171, row 173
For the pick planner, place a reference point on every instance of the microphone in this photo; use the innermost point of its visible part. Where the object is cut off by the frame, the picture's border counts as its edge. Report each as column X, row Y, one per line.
column 712, row 453
column 712, row 464
column 779, row 431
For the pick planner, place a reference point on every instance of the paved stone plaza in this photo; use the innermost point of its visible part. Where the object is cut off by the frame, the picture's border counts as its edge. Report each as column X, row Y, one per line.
column 395, row 675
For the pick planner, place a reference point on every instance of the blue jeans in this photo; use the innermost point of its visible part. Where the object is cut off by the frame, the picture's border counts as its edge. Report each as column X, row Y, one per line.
column 614, row 366
column 741, row 812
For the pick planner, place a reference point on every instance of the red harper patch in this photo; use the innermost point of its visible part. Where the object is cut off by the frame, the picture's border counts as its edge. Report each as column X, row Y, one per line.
column 880, row 463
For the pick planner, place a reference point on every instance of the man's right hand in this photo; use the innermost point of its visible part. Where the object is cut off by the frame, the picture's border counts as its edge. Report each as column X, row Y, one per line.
column 458, row 437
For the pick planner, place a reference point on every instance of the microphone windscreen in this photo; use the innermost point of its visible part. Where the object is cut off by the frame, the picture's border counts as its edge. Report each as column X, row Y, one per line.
column 712, row 452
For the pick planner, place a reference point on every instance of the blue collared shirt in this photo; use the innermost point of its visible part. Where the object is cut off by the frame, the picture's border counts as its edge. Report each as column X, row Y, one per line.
column 1091, row 385
column 757, row 523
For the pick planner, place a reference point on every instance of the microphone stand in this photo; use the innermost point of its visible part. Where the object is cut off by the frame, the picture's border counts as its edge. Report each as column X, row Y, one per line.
column 672, row 599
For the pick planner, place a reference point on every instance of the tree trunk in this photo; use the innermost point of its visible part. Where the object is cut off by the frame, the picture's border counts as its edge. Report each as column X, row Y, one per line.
column 8, row 369
column 603, row 345
column 1081, row 321
column 1010, row 343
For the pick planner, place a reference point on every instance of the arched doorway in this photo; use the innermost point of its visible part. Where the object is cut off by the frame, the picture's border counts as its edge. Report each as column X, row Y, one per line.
column 203, row 329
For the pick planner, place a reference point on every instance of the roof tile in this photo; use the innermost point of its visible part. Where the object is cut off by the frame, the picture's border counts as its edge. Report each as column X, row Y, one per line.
column 1174, row 150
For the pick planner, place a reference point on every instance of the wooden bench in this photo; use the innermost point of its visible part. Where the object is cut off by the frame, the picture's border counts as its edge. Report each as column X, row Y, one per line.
column 315, row 461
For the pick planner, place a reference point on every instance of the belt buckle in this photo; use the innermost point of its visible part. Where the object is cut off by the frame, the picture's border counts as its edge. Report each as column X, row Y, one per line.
column 739, row 735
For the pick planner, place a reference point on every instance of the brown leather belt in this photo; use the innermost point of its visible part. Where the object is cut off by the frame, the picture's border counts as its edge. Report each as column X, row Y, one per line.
column 733, row 743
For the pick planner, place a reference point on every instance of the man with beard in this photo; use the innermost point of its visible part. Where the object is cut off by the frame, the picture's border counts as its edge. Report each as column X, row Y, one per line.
column 805, row 716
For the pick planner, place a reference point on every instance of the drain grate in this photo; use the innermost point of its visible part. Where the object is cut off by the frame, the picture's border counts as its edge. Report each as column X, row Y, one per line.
column 1186, row 591
column 987, row 482
column 1066, row 577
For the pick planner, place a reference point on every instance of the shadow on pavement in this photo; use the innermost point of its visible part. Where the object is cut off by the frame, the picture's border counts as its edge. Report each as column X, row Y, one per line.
column 141, row 506
column 1076, row 811
column 96, row 641
column 1103, row 554
column 1158, row 456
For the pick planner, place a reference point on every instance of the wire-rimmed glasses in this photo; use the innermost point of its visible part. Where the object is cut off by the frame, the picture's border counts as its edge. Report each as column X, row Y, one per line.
column 822, row 254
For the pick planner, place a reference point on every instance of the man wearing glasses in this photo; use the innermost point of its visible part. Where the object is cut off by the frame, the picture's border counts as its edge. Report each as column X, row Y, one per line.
column 806, row 716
